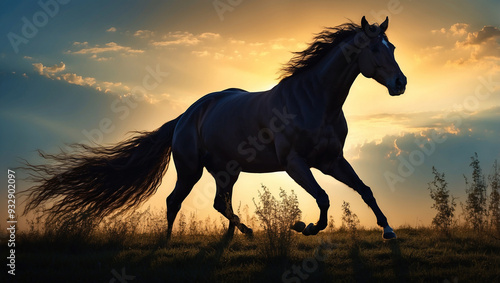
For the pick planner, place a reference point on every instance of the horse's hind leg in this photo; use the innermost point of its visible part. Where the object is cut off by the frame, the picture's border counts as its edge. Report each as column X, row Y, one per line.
column 223, row 201
column 186, row 179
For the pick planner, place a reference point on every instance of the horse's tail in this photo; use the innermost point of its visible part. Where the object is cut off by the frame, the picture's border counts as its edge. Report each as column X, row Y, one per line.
column 98, row 181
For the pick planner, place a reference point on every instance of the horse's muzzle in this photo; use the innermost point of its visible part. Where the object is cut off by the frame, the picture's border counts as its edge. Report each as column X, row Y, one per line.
column 397, row 85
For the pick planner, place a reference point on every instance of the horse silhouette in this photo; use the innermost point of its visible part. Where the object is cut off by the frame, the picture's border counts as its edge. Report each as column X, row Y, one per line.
column 295, row 126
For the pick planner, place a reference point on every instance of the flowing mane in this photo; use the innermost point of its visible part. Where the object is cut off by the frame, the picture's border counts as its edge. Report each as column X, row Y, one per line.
column 322, row 44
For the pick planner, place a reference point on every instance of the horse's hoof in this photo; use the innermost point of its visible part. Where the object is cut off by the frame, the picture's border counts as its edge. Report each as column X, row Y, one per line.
column 388, row 233
column 299, row 226
column 245, row 230
column 389, row 236
column 249, row 233
column 310, row 230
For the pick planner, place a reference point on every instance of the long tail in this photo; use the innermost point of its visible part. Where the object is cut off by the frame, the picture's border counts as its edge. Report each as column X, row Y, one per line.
column 98, row 181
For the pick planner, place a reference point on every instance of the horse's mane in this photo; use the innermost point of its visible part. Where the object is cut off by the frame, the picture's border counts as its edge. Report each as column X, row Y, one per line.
column 323, row 42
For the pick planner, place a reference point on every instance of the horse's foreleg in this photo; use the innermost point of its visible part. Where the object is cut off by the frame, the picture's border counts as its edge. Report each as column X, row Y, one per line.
column 301, row 173
column 341, row 170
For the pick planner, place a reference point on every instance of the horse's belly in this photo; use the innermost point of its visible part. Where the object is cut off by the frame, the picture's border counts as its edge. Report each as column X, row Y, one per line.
column 247, row 157
column 262, row 168
column 263, row 162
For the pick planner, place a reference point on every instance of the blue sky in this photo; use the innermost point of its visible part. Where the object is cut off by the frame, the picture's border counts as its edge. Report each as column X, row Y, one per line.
column 80, row 71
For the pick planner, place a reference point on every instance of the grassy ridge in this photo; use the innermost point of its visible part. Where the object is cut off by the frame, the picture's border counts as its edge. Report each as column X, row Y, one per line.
column 418, row 255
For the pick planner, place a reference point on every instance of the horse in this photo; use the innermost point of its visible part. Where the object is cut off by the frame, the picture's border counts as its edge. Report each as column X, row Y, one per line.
column 295, row 126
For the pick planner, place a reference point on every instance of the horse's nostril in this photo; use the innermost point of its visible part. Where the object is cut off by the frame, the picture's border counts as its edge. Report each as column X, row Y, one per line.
column 399, row 83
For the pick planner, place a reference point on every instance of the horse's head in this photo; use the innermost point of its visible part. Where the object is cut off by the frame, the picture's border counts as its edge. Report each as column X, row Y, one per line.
column 376, row 58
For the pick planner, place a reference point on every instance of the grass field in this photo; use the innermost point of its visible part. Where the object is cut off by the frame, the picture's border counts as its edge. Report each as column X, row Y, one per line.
column 418, row 255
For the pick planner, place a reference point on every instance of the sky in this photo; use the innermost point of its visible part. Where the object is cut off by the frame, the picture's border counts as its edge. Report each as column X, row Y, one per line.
column 92, row 71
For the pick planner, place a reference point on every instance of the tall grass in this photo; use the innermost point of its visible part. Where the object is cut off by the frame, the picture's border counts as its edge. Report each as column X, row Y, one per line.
column 350, row 220
column 136, row 241
column 143, row 228
column 276, row 217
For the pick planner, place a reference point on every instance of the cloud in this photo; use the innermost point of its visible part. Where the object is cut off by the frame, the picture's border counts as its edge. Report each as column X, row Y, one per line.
column 184, row 39
column 115, row 88
column 77, row 80
column 51, row 73
column 490, row 50
column 47, row 71
column 485, row 34
column 408, row 120
column 38, row 67
column 397, row 161
column 459, row 29
column 481, row 44
column 144, row 33
column 437, row 31
column 56, row 68
column 209, row 35
column 470, row 47
column 178, row 38
column 111, row 29
column 108, row 47
column 98, row 50
column 204, row 53
column 100, row 59
column 118, row 89
column 214, row 46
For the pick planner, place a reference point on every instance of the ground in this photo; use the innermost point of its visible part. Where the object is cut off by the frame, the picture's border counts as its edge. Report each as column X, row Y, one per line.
column 418, row 255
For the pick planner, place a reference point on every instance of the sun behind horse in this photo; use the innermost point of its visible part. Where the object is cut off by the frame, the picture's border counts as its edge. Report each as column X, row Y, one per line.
column 295, row 126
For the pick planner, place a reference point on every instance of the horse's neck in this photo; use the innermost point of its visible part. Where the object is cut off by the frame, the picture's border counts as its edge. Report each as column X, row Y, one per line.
column 326, row 85
column 336, row 74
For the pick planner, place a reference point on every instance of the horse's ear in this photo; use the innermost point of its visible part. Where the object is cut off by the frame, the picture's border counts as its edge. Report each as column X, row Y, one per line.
column 384, row 25
column 364, row 23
